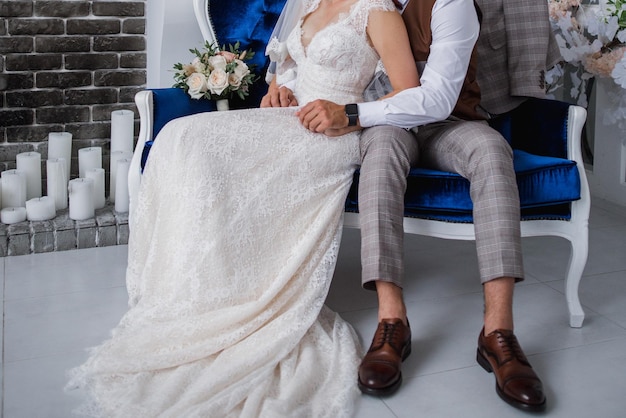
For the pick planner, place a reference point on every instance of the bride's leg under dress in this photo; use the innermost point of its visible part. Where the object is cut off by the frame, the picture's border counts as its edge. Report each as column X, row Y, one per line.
column 232, row 249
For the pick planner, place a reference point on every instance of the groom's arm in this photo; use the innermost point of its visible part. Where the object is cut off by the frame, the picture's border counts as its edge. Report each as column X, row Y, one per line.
column 454, row 27
column 389, row 38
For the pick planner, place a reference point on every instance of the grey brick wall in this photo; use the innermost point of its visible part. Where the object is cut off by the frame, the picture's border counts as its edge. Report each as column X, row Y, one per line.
column 65, row 66
column 62, row 233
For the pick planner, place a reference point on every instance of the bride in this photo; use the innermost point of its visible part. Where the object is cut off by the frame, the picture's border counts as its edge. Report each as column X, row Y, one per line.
column 234, row 240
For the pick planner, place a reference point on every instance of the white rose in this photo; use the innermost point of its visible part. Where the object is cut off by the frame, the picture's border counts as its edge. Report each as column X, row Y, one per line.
column 217, row 62
column 198, row 65
column 218, row 81
column 241, row 69
column 234, row 80
column 197, row 84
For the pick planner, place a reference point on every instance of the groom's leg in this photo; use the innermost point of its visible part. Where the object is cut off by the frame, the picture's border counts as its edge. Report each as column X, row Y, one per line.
column 386, row 156
column 482, row 156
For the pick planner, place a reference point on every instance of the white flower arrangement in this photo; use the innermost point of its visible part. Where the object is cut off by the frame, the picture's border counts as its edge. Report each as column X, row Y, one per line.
column 216, row 74
column 591, row 37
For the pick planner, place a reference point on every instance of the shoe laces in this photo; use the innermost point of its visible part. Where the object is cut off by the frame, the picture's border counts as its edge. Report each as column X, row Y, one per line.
column 388, row 334
column 511, row 348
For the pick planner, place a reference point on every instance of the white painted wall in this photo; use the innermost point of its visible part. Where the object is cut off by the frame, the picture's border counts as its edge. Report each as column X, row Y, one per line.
column 171, row 30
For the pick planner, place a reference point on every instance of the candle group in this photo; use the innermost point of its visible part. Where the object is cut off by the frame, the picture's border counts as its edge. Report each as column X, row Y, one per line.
column 21, row 192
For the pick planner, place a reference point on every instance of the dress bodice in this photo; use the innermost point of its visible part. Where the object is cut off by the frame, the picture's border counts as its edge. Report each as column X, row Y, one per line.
column 339, row 62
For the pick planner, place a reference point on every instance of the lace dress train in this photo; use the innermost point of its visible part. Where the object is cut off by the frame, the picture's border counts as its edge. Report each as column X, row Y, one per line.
column 234, row 242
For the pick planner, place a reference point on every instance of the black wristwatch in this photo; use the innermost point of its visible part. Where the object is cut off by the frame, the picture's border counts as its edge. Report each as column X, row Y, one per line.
column 352, row 112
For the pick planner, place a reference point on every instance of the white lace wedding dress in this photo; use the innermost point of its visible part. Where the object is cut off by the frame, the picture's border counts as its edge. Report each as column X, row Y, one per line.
column 231, row 254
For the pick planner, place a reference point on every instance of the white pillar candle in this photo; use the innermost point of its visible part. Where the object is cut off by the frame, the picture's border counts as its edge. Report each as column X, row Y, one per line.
column 81, row 199
column 40, row 209
column 30, row 164
column 122, row 198
column 97, row 175
column 12, row 215
column 115, row 157
column 88, row 158
column 13, row 189
column 122, row 130
column 60, row 146
column 57, row 182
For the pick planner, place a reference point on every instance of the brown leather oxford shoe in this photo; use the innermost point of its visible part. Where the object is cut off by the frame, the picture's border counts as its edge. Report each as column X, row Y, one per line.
column 516, row 381
column 379, row 372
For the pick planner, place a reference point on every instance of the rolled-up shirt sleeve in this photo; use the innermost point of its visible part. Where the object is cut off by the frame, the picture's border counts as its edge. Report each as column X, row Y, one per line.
column 454, row 27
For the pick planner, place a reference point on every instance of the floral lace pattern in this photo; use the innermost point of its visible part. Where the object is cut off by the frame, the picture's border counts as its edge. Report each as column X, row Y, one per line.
column 234, row 240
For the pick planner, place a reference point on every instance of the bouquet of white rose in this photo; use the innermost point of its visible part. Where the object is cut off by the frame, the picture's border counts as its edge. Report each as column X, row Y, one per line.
column 216, row 74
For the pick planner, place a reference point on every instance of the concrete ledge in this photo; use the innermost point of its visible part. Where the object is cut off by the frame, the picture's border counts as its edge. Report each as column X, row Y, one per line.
column 62, row 233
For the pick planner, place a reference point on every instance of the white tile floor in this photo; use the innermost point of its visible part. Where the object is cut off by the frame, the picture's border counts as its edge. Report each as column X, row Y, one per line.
column 57, row 304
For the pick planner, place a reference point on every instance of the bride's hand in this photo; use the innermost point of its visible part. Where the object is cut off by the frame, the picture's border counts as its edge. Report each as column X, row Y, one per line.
column 278, row 97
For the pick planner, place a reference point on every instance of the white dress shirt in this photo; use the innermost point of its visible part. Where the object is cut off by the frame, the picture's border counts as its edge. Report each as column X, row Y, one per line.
column 454, row 28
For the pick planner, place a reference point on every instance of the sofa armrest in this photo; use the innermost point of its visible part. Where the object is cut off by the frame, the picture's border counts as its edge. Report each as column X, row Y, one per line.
column 143, row 101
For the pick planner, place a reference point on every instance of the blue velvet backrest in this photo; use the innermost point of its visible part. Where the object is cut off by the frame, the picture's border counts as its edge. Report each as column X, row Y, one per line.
column 538, row 126
column 173, row 103
column 251, row 23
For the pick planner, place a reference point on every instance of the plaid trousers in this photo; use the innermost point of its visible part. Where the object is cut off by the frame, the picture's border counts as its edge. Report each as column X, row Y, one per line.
column 469, row 148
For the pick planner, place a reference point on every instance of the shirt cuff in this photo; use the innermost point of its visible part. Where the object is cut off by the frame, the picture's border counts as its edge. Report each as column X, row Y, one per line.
column 372, row 114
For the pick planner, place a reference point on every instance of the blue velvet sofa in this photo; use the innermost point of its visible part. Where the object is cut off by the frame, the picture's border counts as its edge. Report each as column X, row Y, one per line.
column 544, row 134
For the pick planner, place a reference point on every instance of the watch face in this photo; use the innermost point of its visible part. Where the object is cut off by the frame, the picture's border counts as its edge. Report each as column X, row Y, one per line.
column 352, row 112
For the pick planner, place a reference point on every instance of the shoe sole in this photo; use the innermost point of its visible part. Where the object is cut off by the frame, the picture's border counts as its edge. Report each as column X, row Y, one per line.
column 387, row 390
column 484, row 363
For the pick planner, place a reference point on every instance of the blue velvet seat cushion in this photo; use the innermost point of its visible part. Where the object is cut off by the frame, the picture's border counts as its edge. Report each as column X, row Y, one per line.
column 546, row 186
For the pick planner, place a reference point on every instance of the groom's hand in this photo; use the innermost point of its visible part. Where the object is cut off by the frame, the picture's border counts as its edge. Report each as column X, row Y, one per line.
column 325, row 117
column 278, row 97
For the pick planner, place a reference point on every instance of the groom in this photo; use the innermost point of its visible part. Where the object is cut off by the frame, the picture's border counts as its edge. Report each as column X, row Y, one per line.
column 452, row 136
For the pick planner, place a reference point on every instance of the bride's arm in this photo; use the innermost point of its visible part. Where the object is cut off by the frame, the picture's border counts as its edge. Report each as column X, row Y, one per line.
column 389, row 37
